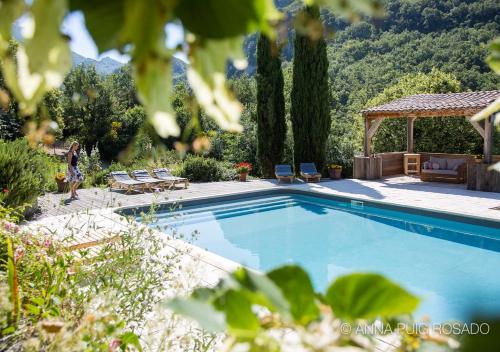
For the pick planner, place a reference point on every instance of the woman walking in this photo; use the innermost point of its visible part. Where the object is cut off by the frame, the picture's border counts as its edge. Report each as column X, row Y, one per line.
column 75, row 177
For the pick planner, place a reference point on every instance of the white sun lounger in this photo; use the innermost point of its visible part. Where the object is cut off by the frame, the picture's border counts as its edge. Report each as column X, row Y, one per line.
column 165, row 175
column 122, row 180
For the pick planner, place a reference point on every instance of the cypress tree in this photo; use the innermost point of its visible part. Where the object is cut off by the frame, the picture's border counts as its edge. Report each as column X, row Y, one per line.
column 310, row 111
column 271, row 126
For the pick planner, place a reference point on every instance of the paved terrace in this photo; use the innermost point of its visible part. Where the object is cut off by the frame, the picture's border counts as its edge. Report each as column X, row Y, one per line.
column 400, row 190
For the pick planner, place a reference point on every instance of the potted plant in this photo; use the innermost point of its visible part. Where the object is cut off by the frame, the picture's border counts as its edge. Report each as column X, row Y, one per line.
column 61, row 182
column 335, row 171
column 243, row 169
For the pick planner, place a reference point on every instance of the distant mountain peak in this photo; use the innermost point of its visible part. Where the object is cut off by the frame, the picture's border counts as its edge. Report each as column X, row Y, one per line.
column 104, row 66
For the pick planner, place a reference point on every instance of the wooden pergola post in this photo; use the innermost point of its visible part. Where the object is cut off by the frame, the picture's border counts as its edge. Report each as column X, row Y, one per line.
column 488, row 139
column 370, row 128
column 367, row 145
column 409, row 138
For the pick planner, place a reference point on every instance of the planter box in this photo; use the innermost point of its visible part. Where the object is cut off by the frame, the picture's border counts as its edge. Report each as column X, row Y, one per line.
column 367, row 167
column 243, row 176
column 335, row 174
column 481, row 178
column 62, row 186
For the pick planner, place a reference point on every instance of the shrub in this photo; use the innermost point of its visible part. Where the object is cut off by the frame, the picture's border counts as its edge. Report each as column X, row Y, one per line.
column 200, row 169
column 55, row 299
column 24, row 173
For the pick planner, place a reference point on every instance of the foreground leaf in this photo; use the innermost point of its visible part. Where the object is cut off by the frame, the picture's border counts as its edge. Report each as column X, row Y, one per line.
column 350, row 8
column 207, row 77
column 240, row 318
column 154, row 85
column 208, row 318
column 264, row 291
column 44, row 60
column 10, row 10
column 489, row 110
column 103, row 19
column 130, row 339
column 298, row 290
column 227, row 18
column 27, row 87
column 368, row 296
column 494, row 58
column 48, row 50
column 495, row 167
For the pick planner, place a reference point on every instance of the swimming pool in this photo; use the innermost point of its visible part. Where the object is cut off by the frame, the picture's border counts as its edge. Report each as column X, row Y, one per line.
column 452, row 263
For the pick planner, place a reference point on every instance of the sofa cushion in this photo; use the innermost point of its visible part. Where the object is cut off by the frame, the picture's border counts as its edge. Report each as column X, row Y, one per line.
column 440, row 161
column 453, row 164
column 441, row 172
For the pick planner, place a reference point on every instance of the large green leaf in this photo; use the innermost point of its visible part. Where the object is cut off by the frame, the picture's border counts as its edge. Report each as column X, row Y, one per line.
column 204, row 313
column 207, row 77
column 298, row 290
column 47, row 49
column 240, row 318
column 10, row 10
column 27, row 87
column 104, row 20
column 219, row 19
column 350, row 8
column 45, row 59
column 491, row 109
column 147, row 38
column 153, row 77
column 494, row 58
column 130, row 339
column 368, row 296
column 263, row 291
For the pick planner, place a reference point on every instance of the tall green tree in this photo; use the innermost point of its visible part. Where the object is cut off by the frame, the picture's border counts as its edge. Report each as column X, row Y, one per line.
column 271, row 125
column 87, row 107
column 310, row 109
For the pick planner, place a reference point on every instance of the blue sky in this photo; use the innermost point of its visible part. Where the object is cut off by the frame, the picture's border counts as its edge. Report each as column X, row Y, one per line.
column 82, row 43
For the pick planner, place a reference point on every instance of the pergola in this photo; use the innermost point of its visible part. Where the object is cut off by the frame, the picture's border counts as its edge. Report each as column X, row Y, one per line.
column 433, row 105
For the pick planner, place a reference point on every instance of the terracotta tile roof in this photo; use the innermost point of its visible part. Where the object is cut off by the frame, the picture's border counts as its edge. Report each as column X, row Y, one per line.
column 451, row 104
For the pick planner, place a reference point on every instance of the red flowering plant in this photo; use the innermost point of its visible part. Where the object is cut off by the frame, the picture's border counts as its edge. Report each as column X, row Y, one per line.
column 243, row 167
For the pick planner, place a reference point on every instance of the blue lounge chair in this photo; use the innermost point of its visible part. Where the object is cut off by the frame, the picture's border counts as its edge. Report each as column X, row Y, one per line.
column 308, row 171
column 284, row 172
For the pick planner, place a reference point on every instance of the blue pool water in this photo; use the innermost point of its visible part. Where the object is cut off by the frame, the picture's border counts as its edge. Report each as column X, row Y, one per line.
column 453, row 266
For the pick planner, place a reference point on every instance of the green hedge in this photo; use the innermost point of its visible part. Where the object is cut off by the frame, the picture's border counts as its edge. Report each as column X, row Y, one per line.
column 25, row 173
column 200, row 169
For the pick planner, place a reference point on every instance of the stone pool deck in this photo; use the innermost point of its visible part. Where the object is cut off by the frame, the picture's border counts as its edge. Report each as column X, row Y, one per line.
column 401, row 190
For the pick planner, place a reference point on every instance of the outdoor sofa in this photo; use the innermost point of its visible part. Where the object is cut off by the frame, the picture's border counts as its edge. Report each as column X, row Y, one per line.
column 452, row 170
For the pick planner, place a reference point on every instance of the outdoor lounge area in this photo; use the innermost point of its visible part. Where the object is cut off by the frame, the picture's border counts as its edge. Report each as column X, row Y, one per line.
column 437, row 167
